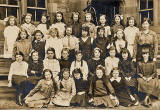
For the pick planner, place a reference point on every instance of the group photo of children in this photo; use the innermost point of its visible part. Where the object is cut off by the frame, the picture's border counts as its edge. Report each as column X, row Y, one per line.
column 82, row 64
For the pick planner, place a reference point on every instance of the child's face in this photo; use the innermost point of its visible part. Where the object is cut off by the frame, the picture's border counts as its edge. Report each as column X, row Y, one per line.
column 77, row 75
column 99, row 73
column 84, row 33
column 96, row 54
column 69, row 31
column 12, row 22
column 102, row 19
column 59, row 17
column 50, row 55
column 35, row 56
column 43, row 19
column 66, row 75
column 125, row 55
column 38, row 36
column 131, row 22
column 53, row 33
column 65, row 54
column 88, row 17
column 145, row 25
column 48, row 76
column 101, row 32
column 28, row 19
column 145, row 55
column 23, row 35
column 112, row 53
column 19, row 58
column 115, row 74
column 75, row 17
column 119, row 34
column 117, row 20
column 79, row 57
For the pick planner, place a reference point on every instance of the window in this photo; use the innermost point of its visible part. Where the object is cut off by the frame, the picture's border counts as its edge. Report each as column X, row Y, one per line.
column 36, row 8
column 146, row 9
column 9, row 7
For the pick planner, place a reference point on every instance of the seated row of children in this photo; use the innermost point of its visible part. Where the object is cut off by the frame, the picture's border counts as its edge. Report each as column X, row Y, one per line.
column 95, row 82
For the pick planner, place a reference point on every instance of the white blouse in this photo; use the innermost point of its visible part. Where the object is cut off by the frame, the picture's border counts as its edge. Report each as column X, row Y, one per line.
column 18, row 69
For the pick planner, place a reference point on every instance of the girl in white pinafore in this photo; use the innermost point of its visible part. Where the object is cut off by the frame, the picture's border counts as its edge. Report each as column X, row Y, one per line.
column 10, row 34
column 130, row 33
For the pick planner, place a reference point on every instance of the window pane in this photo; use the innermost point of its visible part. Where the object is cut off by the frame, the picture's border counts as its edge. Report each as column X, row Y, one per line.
column 2, row 12
column 150, row 3
column 2, row 1
column 12, row 11
column 38, row 14
column 41, row 3
column 143, row 4
column 31, row 3
column 32, row 11
column 144, row 15
column 151, row 15
column 12, row 2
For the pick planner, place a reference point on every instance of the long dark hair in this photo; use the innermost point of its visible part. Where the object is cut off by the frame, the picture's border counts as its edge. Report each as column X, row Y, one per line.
column 125, row 50
column 106, row 23
column 19, row 35
column 75, row 13
column 55, row 17
column 48, row 22
column 53, row 50
column 77, row 70
column 10, row 17
column 113, row 21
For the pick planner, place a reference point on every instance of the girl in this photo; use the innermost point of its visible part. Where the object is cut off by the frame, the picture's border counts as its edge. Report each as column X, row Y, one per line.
column 80, row 99
column 76, row 25
column 130, row 33
column 10, row 34
column 85, row 43
column 121, row 90
column 128, row 71
column 18, row 74
column 95, row 61
column 120, row 41
column 65, row 61
column 44, row 25
column 117, row 24
column 103, row 23
column 28, row 26
column 148, row 82
column 111, row 61
column 41, row 95
column 66, row 90
column 59, row 23
column 71, row 42
column 99, row 88
column 35, row 69
column 102, row 42
column 38, row 44
column 88, row 22
column 145, row 37
column 22, row 44
column 81, row 64
column 52, row 63
column 55, row 42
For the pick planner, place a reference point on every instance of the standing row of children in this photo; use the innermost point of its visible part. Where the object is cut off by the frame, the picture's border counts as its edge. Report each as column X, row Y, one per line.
column 81, row 64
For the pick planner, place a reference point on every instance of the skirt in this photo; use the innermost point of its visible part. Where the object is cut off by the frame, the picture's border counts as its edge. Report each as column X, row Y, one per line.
column 62, row 99
column 151, row 87
column 104, row 100
column 79, row 100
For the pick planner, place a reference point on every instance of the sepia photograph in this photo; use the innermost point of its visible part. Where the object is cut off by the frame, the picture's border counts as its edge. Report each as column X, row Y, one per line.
column 80, row 54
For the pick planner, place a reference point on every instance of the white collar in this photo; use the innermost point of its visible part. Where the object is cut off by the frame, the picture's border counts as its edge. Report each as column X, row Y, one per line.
column 37, row 41
column 118, row 79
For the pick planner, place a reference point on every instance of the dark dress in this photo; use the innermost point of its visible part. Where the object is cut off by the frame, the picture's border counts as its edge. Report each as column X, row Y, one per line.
column 81, row 86
column 102, row 43
column 99, row 90
column 39, row 46
column 76, row 26
column 32, row 79
column 86, row 48
column 92, row 64
column 148, row 69
column 122, row 92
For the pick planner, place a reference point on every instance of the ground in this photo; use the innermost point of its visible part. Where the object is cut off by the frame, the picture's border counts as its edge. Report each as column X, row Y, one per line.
column 10, row 104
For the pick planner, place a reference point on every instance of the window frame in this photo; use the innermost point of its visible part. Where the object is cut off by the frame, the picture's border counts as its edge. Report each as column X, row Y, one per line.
column 145, row 10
